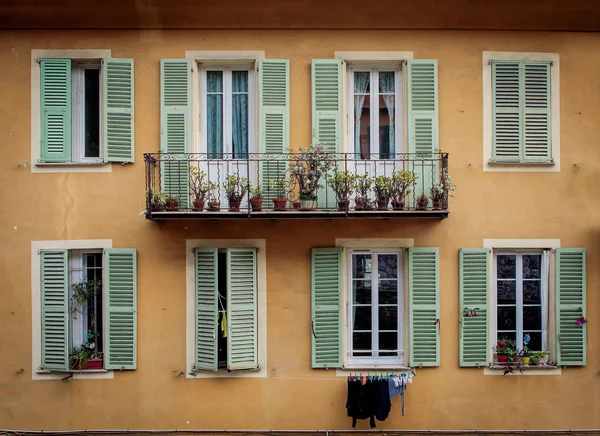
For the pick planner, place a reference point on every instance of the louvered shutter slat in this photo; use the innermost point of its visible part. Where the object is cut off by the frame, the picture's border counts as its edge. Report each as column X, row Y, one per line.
column 175, row 134
column 326, row 286
column 55, row 110
column 242, row 338
column 120, row 288
column 327, row 103
column 423, row 266
column 506, row 111
column 570, row 305
column 55, row 310
column 118, row 80
column 206, row 318
column 537, row 111
column 473, row 284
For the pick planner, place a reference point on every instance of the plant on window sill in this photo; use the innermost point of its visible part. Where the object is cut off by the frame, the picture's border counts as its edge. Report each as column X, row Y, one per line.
column 363, row 187
column 199, row 187
column 343, row 184
column 441, row 191
column 382, row 191
column 281, row 187
column 401, row 183
column 310, row 166
column 256, row 198
column 236, row 188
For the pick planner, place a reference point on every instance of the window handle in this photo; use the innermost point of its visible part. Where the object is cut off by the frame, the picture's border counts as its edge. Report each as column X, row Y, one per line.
column 312, row 327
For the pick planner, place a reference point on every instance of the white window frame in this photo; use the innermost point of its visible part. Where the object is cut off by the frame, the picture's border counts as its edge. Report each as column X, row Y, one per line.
column 374, row 69
column 78, row 68
column 227, row 69
column 389, row 361
column 519, row 296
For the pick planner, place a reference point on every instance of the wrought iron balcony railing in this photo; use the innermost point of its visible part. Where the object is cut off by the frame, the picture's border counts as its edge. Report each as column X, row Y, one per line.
column 195, row 185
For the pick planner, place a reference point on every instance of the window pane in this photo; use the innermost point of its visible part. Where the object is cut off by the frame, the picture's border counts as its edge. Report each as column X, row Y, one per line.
column 531, row 266
column 388, row 341
column 507, row 335
column 214, row 113
column 92, row 113
column 362, row 318
column 506, row 290
column 362, row 114
column 532, row 318
column 387, row 102
column 240, row 113
column 387, row 266
column 507, row 267
column 531, row 292
column 361, row 266
column 361, row 341
column 388, row 291
column 507, row 318
column 535, row 341
column 214, row 81
column 388, row 318
column 361, row 291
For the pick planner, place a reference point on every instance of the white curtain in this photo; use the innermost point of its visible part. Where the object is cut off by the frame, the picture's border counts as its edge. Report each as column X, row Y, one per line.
column 544, row 283
column 361, row 84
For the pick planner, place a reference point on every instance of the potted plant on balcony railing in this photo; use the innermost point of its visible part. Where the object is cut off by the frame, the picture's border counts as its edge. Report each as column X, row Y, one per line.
column 214, row 205
column 309, row 167
column 236, row 188
column 441, row 191
column 382, row 191
column 343, row 184
column 199, row 187
column 158, row 200
column 363, row 185
column 401, row 183
column 172, row 203
column 256, row 198
column 280, row 187
column 422, row 201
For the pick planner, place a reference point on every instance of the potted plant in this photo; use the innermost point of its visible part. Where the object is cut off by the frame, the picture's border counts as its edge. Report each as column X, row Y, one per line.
column 307, row 170
column 158, row 200
column 199, row 187
column 382, row 191
column 538, row 357
column 280, row 187
column 342, row 183
column 94, row 358
column 235, row 189
column 441, row 191
column 363, row 185
column 78, row 358
column 422, row 201
column 504, row 349
column 525, row 356
column 400, row 184
column 256, row 198
column 214, row 205
column 172, row 202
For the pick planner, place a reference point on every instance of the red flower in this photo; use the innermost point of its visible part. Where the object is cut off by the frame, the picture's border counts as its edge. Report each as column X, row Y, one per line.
column 502, row 343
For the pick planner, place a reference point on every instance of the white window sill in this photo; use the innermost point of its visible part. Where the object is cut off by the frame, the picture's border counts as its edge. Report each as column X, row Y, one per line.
column 69, row 164
column 378, row 366
column 498, row 369
column 77, row 374
column 71, row 167
column 517, row 163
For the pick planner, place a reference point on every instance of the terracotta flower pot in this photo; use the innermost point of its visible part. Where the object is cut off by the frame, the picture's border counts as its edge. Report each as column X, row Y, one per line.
column 397, row 205
column 279, row 203
column 296, row 205
column 438, row 205
column 256, row 204
column 214, row 206
column 198, row 205
column 172, row 205
column 382, row 203
column 422, row 204
column 502, row 358
column 360, row 205
column 343, row 205
column 234, row 206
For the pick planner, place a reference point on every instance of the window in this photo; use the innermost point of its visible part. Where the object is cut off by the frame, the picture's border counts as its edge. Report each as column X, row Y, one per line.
column 375, row 307
column 375, row 109
column 85, row 117
column 522, row 298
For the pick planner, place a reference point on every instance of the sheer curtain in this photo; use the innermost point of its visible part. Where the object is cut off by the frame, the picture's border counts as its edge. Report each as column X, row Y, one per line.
column 361, row 85
column 214, row 114
column 544, row 283
column 387, row 88
column 240, row 113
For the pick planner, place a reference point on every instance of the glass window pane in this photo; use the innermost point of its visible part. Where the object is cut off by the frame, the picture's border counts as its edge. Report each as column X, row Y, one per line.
column 361, row 291
column 362, row 114
column 532, row 318
column 507, row 335
column 361, row 266
column 388, row 341
column 531, row 266
column 388, row 318
column 531, row 292
column 387, row 104
column 361, row 341
column 240, row 81
column 387, row 264
column 214, row 81
column 507, row 318
column 362, row 317
column 92, row 113
column 388, row 291
column 387, row 83
column 535, row 341
column 239, row 114
column 507, row 266
column 506, row 291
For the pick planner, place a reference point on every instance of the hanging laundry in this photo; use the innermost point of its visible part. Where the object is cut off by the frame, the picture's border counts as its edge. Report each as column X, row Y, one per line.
column 370, row 397
column 224, row 324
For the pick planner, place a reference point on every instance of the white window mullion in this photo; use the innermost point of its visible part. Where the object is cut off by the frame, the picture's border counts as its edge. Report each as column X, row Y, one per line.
column 375, row 306
column 398, row 143
column 374, row 115
column 519, row 297
column 227, row 113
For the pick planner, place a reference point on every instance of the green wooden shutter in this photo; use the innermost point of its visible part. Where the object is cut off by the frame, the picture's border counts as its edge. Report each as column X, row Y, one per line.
column 207, row 285
column 55, row 110
column 326, row 287
column 424, row 307
column 473, row 288
column 55, row 310
column 506, row 111
column 118, row 98
column 175, row 126
column 537, row 116
column 327, row 103
column 570, row 306
column 423, row 121
column 120, row 318
column 274, row 100
column 242, row 301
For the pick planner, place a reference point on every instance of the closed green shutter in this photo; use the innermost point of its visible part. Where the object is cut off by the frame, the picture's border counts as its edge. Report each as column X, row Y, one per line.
column 326, row 287
column 424, row 306
column 55, row 110
column 175, row 126
column 570, row 306
column 120, row 318
column 206, row 313
column 274, row 100
column 521, row 111
column 423, row 138
column 242, row 300
column 473, row 288
column 55, row 310
column 118, row 98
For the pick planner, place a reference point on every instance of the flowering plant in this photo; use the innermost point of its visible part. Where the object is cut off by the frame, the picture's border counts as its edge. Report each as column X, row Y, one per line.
column 505, row 346
column 581, row 320
column 444, row 189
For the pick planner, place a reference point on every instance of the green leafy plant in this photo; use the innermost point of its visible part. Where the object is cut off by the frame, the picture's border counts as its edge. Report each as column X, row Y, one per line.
column 363, row 185
column 443, row 189
column 199, row 184
column 382, row 187
column 235, row 187
column 280, row 186
column 401, row 183
column 158, row 200
column 84, row 290
column 78, row 357
column 256, row 192
column 309, row 167
column 505, row 347
column 343, row 184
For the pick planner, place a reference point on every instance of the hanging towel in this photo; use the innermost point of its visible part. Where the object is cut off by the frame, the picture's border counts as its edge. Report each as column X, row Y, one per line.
column 224, row 323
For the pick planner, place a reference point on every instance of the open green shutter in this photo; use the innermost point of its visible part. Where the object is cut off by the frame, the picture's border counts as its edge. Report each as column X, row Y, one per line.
column 537, row 116
column 327, row 103
column 424, row 307
column 473, row 288
column 326, row 287
column 118, row 98
column 55, row 310
column 242, row 301
column 206, row 318
column 570, row 306
column 506, row 111
column 120, row 318
column 423, row 122
column 55, row 110
column 175, row 126
column 274, row 100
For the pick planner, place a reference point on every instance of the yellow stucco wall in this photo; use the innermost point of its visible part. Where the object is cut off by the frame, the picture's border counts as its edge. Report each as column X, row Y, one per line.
column 36, row 207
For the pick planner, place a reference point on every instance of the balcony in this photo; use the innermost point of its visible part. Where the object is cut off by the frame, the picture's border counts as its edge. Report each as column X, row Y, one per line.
column 173, row 182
